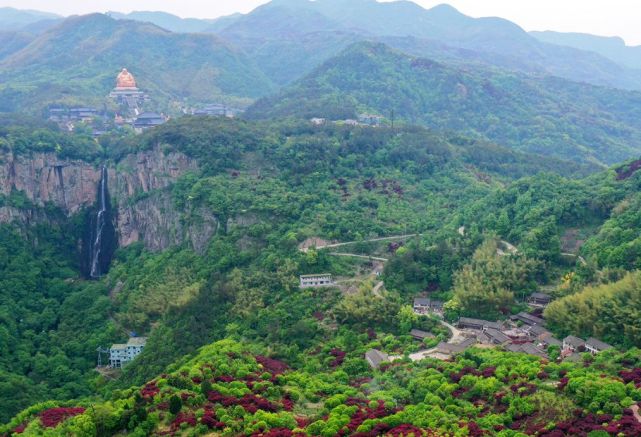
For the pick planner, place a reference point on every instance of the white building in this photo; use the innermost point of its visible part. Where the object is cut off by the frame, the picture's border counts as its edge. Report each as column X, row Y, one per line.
column 318, row 280
column 121, row 354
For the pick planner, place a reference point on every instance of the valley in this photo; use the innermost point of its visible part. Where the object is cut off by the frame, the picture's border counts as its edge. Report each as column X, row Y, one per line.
column 317, row 218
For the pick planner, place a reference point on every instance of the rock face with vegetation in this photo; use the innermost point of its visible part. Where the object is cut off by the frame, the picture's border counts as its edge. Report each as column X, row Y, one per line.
column 138, row 184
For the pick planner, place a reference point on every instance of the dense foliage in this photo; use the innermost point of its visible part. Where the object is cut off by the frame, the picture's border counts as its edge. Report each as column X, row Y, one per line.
column 271, row 186
column 229, row 389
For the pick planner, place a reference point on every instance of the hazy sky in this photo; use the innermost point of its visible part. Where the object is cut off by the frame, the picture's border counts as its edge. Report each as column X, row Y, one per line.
column 601, row 17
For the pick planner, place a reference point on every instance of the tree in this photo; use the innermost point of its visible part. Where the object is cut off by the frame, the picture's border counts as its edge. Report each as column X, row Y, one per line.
column 407, row 319
column 175, row 404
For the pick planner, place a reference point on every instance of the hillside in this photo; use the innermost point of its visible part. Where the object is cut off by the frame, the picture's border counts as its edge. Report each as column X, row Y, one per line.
column 232, row 388
column 613, row 48
column 209, row 215
column 198, row 201
column 494, row 41
column 78, row 60
column 547, row 116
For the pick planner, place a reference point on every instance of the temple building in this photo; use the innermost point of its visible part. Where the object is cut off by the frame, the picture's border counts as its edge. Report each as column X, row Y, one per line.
column 126, row 93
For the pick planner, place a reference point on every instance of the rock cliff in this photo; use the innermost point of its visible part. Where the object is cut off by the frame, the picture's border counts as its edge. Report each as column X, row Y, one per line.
column 138, row 184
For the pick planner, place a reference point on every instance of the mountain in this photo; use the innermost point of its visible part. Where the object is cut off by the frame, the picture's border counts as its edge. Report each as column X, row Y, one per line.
column 17, row 19
column 167, row 21
column 548, row 116
column 11, row 42
column 272, row 33
column 613, row 48
column 79, row 59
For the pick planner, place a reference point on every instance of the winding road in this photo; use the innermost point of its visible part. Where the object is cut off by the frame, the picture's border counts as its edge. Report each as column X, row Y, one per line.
column 394, row 237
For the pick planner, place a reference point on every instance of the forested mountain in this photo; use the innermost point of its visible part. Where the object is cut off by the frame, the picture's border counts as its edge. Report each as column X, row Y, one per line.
column 78, row 60
column 613, row 47
column 545, row 116
column 11, row 42
column 256, row 191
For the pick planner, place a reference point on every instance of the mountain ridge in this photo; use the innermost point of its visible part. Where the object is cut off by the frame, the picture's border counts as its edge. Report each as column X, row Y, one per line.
column 467, row 99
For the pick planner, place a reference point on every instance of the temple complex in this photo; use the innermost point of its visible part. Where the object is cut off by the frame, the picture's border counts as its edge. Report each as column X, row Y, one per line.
column 126, row 93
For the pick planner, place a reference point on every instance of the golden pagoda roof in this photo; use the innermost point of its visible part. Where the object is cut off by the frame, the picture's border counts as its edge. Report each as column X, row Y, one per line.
column 125, row 80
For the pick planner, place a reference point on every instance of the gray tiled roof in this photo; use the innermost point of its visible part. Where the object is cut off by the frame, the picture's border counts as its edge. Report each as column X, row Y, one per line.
column 421, row 334
column 422, row 301
column 574, row 341
column 479, row 322
column 376, row 357
column 597, row 344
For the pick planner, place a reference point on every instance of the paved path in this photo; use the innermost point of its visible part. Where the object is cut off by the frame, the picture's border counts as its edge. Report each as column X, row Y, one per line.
column 394, row 237
column 457, row 334
column 377, row 288
column 354, row 255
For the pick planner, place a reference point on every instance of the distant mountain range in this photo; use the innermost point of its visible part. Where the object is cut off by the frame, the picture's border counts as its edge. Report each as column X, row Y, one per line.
column 549, row 116
column 289, row 27
column 437, row 67
column 12, row 19
column 288, row 38
column 613, row 48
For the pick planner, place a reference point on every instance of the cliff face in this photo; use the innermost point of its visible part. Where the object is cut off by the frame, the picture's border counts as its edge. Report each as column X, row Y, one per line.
column 138, row 185
column 43, row 178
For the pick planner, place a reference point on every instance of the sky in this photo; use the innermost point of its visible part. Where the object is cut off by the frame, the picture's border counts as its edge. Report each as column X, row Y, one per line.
column 600, row 17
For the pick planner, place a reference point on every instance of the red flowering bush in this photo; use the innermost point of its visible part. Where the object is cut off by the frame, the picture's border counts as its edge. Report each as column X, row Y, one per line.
column 275, row 367
column 54, row 416
column 149, row 390
column 339, row 357
column 633, row 375
column 181, row 418
column 209, row 419
column 583, row 424
column 250, row 402
column 20, row 428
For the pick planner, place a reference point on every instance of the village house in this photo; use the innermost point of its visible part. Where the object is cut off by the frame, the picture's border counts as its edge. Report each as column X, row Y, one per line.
column 528, row 319
column 455, row 348
column 573, row 344
column 421, row 305
column 375, row 358
column 526, row 348
column 477, row 324
column 318, row 280
column 594, row 346
column 540, row 299
column 424, row 305
column 318, row 121
column 547, row 339
column 370, row 119
column 421, row 335
column 493, row 336
column 122, row 354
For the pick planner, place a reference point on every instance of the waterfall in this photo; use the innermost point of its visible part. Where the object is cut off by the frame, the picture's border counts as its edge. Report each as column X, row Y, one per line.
column 96, row 247
column 100, row 239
